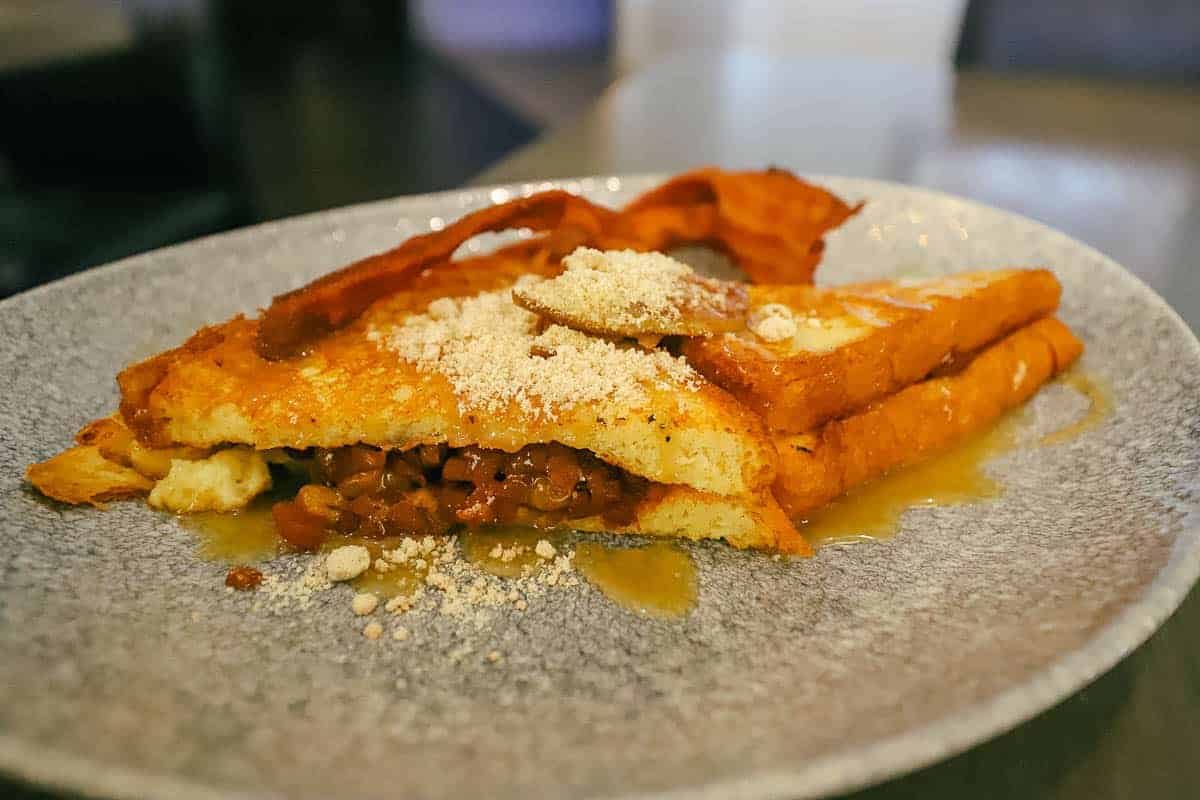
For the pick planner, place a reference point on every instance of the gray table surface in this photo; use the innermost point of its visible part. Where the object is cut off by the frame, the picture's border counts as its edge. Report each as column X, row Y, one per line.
column 1116, row 166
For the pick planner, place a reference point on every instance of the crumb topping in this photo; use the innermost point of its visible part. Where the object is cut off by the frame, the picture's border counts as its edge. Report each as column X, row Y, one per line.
column 623, row 291
column 623, row 287
column 773, row 322
column 495, row 356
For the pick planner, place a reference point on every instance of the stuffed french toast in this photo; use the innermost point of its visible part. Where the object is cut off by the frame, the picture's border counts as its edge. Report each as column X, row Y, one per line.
column 580, row 379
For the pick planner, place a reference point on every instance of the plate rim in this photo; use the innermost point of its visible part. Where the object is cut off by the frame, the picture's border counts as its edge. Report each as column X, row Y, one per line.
column 884, row 759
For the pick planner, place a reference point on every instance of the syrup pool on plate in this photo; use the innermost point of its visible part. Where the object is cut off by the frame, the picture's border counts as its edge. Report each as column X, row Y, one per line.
column 241, row 537
column 656, row 579
column 955, row 477
column 1100, row 405
column 872, row 511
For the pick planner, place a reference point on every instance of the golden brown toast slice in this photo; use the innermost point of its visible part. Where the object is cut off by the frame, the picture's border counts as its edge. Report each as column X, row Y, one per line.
column 468, row 371
column 811, row 354
column 755, row 522
column 916, row 422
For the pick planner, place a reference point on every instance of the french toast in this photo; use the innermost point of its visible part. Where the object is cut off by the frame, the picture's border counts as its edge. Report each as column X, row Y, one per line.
column 918, row 421
column 808, row 355
column 814, row 354
column 410, row 393
column 470, row 371
column 551, row 384
column 464, row 380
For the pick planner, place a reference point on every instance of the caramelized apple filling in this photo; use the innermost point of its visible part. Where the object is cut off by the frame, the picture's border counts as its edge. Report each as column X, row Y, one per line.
column 372, row 493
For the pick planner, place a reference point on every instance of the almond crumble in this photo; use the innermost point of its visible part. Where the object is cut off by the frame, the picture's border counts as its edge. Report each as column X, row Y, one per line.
column 484, row 346
column 346, row 563
column 364, row 603
column 773, row 322
column 626, row 288
column 623, row 292
column 452, row 587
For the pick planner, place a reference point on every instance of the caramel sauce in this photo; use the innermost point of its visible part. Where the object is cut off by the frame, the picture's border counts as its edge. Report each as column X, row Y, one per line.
column 240, row 537
column 1100, row 405
column 477, row 547
column 401, row 580
column 953, row 478
column 658, row 579
column 249, row 536
column 873, row 511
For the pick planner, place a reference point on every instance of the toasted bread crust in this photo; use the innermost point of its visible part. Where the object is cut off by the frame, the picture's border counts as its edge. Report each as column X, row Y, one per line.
column 624, row 293
column 755, row 522
column 893, row 335
column 118, row 444
column 912, row 424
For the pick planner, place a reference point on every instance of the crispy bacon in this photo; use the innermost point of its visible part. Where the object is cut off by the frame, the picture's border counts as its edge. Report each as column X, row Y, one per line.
column 297, row 318
column 771, row 223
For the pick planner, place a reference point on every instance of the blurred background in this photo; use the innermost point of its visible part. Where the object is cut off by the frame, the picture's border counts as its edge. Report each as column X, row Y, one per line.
column 125, row 126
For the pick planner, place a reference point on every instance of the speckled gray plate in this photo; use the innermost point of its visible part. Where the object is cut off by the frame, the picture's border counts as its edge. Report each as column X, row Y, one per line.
column 126, row 669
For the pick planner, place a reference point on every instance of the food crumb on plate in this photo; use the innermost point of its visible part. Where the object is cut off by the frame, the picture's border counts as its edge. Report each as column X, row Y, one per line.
column 348, row 562
column 364, row 603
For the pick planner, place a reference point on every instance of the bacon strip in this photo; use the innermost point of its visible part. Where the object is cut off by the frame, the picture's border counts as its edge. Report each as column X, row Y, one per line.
column 294, row 320
column 770, row 223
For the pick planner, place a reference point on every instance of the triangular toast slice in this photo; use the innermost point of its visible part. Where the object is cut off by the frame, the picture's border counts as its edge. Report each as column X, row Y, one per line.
column 462, row 409
column 922, row 419
column 809, row 354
